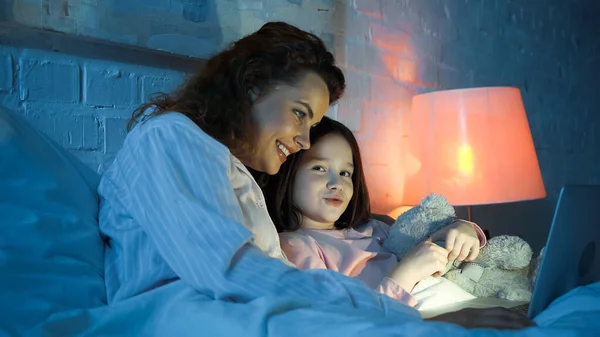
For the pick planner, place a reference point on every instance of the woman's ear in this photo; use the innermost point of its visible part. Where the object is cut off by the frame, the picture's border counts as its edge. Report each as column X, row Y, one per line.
column 254, row 94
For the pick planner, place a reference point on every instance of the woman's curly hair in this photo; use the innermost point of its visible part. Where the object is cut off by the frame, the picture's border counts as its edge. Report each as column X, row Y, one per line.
column 218, row 98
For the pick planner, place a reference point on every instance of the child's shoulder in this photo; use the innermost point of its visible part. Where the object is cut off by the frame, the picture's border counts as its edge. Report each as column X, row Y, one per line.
column 296, row 239
column 375, row 227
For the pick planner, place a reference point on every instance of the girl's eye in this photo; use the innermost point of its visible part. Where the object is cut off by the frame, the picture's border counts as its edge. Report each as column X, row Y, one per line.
column 299, row 113
column 318, row 168
column 346, row 174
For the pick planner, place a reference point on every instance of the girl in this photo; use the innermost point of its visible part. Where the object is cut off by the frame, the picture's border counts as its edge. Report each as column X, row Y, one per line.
column 320, row 204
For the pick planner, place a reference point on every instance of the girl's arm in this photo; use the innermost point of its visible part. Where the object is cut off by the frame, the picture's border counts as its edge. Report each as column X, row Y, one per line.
column 468, row 227
column 182, row 197
column 463, row 239
column 392, row 289
column 306, row 253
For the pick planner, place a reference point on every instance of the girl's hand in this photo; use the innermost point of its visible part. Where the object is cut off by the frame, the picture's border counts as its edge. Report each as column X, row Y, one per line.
column 422, row 261
column 462, row 242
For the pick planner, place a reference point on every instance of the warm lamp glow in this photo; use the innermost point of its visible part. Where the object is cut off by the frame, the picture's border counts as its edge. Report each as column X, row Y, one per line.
column 473, row 146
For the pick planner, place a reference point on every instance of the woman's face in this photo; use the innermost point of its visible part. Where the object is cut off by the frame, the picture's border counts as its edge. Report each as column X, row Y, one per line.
column 283, row 118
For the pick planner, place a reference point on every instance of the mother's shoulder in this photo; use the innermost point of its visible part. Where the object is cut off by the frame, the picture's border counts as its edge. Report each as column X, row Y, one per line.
column 177, row 127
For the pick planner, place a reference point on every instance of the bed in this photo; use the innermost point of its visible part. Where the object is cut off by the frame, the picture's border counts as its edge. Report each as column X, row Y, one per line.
column 51, row 271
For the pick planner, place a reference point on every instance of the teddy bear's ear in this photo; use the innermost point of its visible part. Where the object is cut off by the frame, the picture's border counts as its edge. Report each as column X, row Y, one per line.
column 438, row 204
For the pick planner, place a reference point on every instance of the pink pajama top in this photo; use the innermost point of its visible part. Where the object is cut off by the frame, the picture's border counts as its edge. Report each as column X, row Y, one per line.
column 357, row 253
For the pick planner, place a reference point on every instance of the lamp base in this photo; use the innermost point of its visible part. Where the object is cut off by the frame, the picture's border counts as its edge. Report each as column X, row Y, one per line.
column 394, row 214
column 486, row 232
column 469, row 217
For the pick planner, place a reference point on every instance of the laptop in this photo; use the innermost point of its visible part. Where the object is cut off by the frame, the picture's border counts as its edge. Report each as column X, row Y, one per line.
column 571, row 257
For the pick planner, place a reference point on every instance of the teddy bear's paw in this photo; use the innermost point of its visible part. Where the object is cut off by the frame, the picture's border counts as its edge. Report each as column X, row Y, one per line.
column 460, row 280
column 515, row 294
column 453, row 274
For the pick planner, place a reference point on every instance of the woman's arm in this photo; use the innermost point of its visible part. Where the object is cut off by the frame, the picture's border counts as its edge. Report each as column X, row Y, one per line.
column 182, row 197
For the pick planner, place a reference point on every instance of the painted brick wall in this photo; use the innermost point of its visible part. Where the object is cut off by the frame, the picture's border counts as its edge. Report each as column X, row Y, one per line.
column 187, row 27
column 549, row 49
column 83, row 104
column 390, row 50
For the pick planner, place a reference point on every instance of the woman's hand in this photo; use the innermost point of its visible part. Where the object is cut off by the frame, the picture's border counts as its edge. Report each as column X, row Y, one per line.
column 462, row 242
column 424, row 260
column 489, row 318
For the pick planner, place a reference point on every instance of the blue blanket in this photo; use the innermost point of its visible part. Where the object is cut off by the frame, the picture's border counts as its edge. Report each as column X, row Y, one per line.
column 178, row 310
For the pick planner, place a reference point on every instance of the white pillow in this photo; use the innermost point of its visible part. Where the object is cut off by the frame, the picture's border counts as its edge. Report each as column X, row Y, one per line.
column 432, row 293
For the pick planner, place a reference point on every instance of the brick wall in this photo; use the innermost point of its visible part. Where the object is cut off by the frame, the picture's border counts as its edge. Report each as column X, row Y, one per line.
column 83, row 104
column 549, row 49
column 390, row 50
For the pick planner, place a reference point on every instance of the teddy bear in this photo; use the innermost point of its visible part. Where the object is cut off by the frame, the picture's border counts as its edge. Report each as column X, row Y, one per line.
column 504, row 268
column 501, row 270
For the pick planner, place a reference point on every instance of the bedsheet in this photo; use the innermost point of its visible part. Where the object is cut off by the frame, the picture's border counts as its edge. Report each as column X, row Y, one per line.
column 178, row 310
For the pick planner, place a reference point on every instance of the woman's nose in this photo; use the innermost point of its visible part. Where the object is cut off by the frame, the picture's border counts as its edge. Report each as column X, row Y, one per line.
column 303, row 139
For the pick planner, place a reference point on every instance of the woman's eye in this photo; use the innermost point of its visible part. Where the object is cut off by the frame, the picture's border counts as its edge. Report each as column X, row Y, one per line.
column 299, row 113
column 318, row 168
column 346, row 174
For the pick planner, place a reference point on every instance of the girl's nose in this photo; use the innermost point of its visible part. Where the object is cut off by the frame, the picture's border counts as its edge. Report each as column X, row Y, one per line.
column 334, row 183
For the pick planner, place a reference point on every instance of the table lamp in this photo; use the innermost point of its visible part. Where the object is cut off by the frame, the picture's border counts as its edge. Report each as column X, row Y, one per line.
column 473, row 146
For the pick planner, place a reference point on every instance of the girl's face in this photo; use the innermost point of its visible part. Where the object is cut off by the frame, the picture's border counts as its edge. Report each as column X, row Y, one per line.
column 283, row 118
column 323, row 184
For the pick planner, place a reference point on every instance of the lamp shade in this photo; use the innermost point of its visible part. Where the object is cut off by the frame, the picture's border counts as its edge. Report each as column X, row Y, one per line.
column 473, row 146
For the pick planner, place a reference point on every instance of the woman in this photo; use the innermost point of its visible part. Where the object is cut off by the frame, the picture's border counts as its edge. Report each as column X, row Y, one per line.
column 178, row 202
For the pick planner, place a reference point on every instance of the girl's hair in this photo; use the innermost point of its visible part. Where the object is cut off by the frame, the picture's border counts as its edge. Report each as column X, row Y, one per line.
column 218, row 98
column 278, row 189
